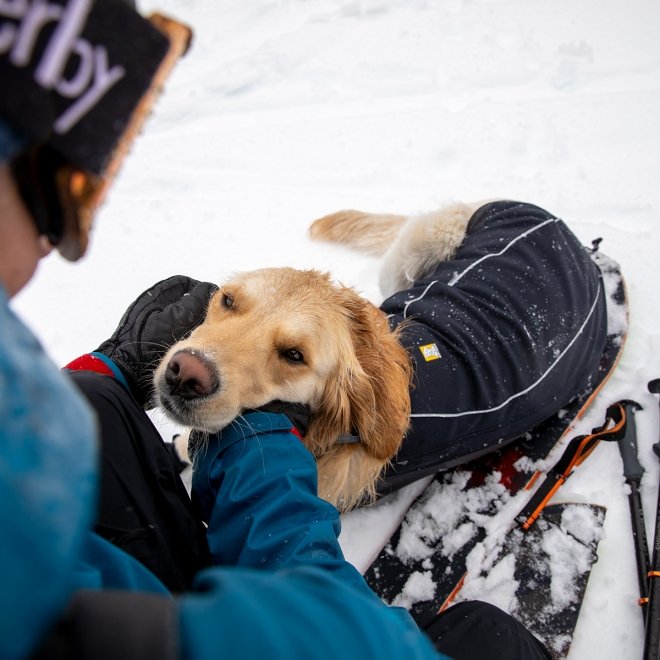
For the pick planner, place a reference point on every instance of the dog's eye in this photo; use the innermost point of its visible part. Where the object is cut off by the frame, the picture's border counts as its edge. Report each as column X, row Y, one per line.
column 227, row 301
column 293, row 355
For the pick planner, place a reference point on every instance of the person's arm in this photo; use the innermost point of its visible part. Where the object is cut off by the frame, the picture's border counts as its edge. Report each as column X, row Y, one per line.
column 256, row 486
column 290, row 592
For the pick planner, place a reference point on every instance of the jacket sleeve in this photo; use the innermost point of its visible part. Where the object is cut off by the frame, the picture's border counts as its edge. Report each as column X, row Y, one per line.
column 290, row 592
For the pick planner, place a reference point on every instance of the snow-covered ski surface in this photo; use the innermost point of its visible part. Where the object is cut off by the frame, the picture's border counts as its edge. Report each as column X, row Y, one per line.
column 286, row 110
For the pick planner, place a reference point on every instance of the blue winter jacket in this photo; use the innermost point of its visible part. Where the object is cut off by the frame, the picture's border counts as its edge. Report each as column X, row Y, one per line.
column 281, row 587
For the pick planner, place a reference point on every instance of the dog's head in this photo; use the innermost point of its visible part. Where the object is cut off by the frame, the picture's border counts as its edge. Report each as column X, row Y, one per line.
column 288, row 335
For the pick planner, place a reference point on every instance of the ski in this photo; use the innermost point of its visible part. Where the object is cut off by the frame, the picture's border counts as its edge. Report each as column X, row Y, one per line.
column 546, row 555
column 549, row 567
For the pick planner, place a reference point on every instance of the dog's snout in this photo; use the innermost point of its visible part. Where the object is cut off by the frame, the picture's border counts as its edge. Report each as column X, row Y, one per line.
column 190, row 375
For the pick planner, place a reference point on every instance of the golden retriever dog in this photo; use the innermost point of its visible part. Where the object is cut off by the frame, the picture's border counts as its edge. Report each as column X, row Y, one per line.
column 289, row 335
column 494, row 318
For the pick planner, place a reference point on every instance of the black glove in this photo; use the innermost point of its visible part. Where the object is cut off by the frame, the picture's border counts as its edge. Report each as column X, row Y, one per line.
column 162, row 315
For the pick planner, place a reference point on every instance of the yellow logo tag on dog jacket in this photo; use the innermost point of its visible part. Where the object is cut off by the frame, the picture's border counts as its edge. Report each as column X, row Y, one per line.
column 430, row 352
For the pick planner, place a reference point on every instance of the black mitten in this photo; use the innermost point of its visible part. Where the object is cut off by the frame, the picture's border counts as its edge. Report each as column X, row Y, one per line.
column 162, row 315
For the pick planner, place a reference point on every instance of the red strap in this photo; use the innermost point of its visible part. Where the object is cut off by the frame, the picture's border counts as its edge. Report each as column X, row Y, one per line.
column 89, row 362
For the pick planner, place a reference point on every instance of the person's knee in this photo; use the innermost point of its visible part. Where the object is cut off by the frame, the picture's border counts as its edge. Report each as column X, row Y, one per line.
column 474, row 630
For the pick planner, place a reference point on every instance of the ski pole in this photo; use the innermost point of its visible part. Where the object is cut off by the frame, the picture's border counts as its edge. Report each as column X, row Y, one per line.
column 652, row 636
column 633, row 471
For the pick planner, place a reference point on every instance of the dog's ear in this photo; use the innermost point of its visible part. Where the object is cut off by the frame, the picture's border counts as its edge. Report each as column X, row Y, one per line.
column 368, row 396
column 379, row 393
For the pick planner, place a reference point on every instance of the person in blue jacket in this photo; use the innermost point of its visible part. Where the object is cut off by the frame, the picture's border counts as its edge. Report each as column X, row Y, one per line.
column 102, row 554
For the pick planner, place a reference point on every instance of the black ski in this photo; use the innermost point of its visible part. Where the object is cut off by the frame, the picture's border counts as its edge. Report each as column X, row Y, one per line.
column 547, row 600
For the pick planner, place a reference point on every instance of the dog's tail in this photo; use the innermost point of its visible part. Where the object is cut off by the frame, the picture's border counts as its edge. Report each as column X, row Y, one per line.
column 371, row 233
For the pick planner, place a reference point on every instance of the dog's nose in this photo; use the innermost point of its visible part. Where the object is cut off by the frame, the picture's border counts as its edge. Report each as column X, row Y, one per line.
column 190, row 375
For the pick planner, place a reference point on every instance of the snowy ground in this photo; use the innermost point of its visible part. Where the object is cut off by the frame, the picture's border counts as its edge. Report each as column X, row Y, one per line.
column 285, row 110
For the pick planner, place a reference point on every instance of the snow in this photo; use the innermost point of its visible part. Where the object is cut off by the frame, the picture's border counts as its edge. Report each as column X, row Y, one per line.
column 418, row 587
column 286, row 110
column 568, row 558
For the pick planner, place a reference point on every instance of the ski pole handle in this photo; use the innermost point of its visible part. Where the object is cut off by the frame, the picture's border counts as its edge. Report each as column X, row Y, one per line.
column 654, row 388
column 632, row 468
